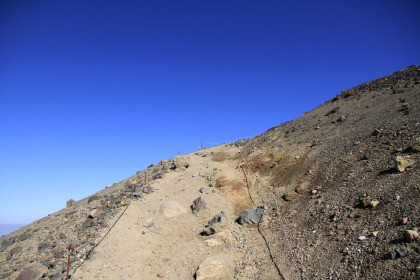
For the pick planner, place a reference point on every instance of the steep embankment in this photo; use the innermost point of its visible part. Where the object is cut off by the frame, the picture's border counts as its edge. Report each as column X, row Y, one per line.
column 337, row 204
column 348, row 206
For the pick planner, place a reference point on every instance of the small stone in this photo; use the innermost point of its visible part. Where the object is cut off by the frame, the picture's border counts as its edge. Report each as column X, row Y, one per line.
column 204, row 190
column 93, row 198
column 218, row 219
column 125, row 202
column 218, row 238
column 95, row 213
column 416, row 145
column 195, row 174
column 147, row 189
column 252, row 216
column 404, row 221
column 341, row 118
column 16, row 250
column 23, row 237
column 367, row 202
column 314, row 192
column 361, row 238
column 411, row 235
column 301, row 189
column 335, row 110
column 392, row 255
column 314, row 143
column 289, row 196
column 33, row 272
column 138, row 194
column 398, row 252
column 210, row 269
column 405, row 107
column 160, row 275
column 198, row 205
column 88, row 223
column 216, row 224
column 7, row 243
column 401, row 252
column 57, row 275
column 374, row 233
column 352, row 215
column 149, row 223
column 402, row 162
column 376, row 132
column 116, row 199
column 172, row 209
column 70, row 203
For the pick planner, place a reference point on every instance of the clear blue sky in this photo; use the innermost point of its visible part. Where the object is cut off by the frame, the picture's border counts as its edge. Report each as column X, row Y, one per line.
column 93, row 91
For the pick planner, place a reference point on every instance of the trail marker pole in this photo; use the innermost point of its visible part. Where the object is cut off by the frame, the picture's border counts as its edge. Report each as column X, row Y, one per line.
column 70, row 248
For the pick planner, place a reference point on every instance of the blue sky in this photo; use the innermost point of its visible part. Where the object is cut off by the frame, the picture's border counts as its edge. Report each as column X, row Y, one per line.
column 93, row 91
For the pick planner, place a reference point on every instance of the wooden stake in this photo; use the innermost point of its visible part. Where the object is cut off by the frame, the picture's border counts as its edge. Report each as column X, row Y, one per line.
column 70, row 248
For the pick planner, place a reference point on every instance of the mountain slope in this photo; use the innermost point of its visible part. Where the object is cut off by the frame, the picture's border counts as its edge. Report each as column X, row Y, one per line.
column 336, row 205
column 342, row 152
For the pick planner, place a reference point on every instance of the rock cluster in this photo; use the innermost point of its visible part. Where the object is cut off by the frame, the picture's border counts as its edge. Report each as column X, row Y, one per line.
column 40, row 247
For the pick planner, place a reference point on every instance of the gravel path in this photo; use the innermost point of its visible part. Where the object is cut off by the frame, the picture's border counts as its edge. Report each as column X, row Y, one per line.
column 146, row 245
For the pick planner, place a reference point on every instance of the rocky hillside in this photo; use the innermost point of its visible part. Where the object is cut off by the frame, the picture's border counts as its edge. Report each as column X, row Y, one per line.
column 334, row 194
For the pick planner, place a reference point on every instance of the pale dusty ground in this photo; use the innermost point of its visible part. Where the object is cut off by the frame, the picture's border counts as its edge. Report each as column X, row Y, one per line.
column 174, row 248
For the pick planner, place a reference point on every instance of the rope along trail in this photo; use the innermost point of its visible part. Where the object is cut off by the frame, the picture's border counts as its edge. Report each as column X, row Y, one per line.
column 103, row 237
column 259, row 229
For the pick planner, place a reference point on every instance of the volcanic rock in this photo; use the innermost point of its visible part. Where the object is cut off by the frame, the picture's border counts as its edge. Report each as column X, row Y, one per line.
column 251, row 216
column 33, row 272
column 210, row 269
column 70, row 203
column 198, row 205
column 402, row 162
column 218, row 238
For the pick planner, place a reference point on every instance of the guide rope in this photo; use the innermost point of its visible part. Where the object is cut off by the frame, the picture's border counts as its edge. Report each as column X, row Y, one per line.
column 258, row 225
column 103, row 237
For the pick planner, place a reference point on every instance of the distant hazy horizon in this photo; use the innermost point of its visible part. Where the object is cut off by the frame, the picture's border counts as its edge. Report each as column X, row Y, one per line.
column 8, row 228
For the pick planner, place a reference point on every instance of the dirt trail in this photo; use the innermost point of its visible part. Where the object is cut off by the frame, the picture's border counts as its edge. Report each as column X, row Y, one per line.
column 145, row 245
